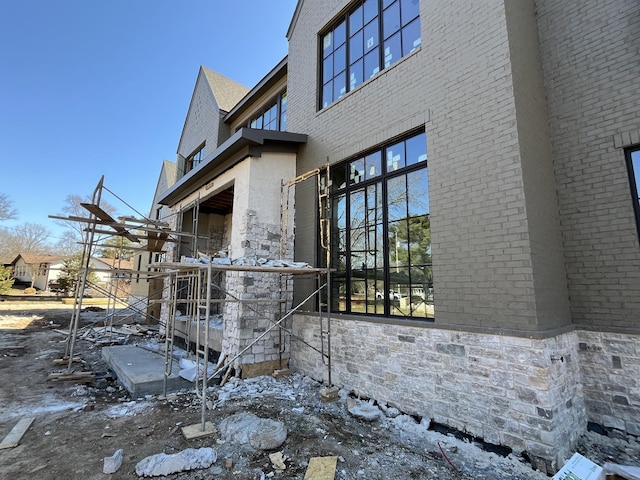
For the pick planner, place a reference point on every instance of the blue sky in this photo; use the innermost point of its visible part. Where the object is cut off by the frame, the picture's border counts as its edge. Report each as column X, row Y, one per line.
column 91, row 88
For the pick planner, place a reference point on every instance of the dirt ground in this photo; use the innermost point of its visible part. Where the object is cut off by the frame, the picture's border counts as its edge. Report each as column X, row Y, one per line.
column 77, row 425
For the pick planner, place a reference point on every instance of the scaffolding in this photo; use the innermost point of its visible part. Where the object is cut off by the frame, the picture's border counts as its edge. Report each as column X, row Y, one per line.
column 99, row 225
column 192, row 284
column 197, row 285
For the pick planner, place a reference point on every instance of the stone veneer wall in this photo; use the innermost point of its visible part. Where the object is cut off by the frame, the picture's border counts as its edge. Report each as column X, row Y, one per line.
column 610, row 367
column 171, row 256
column 522, row 393
column 244, row 322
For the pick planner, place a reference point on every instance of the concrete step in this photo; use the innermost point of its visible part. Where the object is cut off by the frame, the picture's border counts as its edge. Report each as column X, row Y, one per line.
column 141, row 372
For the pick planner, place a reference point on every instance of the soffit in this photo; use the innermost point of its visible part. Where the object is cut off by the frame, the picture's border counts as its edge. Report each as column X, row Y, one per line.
column 244, row 143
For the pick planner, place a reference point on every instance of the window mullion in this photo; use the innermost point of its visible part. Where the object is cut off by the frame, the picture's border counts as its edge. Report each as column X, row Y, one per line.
column 385, row 248
column 347, row 244
column 380, row 36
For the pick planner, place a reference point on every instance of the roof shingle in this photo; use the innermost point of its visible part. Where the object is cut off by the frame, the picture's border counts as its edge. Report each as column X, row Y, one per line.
column 227, row 92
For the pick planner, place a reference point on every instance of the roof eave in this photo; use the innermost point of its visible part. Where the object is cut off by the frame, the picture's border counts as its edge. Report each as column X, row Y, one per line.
column 294, row 19
column 267, row 81
column 210, row 167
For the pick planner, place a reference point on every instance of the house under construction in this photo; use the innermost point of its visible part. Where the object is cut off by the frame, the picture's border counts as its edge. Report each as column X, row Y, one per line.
column 478, row 221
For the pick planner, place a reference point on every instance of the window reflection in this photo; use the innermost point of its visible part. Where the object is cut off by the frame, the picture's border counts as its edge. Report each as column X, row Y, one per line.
column 377, row 35
column 383, row 259
column 273, row 117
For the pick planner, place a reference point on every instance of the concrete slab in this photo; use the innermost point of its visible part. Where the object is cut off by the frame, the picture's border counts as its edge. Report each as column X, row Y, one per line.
column 141, row 372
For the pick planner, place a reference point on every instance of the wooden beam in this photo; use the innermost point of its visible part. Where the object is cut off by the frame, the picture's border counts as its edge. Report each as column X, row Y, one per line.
column 157, row 223
column 102, row 215
column 15, row 435
column 321, row 468
column 72, row 218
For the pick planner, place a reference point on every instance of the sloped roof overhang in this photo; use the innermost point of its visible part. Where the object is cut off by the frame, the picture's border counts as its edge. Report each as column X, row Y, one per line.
column 276, row 74
column 246, row 142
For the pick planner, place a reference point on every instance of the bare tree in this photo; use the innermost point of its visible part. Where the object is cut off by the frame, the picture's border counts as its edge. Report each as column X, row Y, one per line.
column 67, row 246
column 73, row 208
column 6, row 252
column 25, row 238
column 7, row 212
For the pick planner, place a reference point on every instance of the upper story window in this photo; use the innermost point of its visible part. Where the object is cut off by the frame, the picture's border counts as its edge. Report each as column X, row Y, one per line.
column 195, row 158
column 371, row 36
column 273, row 117
column 633, row 164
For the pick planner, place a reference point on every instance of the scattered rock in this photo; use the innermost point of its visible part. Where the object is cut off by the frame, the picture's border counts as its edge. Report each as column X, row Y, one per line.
column 364, row 410
column 163, row 464
column 389, row 412
column 277, row 460
column 260, row 433
column 112, row 464
column 409, row 424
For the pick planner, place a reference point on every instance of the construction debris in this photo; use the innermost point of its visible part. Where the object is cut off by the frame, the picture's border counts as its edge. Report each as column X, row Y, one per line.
column 189, row 370
column 277, row 461
column 321, row 468
column 64, row 361
column 191, row 432
column 579, row 467
column 244, row 261
column 367, row 411
column 15, row 435
column 329, row 394
column 73, row 376
column 163, row 464
column 247, row 428
column 113, row 463
column 613, row 471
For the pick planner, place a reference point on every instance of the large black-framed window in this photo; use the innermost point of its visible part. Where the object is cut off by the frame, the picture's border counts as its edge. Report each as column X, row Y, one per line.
column 273, row 116
column 371, row 36
column 381, row 232
column 633, row 165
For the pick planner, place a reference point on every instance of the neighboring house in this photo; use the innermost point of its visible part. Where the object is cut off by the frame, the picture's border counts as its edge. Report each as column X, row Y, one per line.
column 36, row 269
column 109, row 269
column 484, row 163
column 45, row 270
column 145, row 290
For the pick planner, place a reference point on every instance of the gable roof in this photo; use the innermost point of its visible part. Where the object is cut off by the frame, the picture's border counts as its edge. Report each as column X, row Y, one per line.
column 168, row 176
column 170, row 170
column 294, row 19
column 227, row 92
column 33, row 258
column 114, row 262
